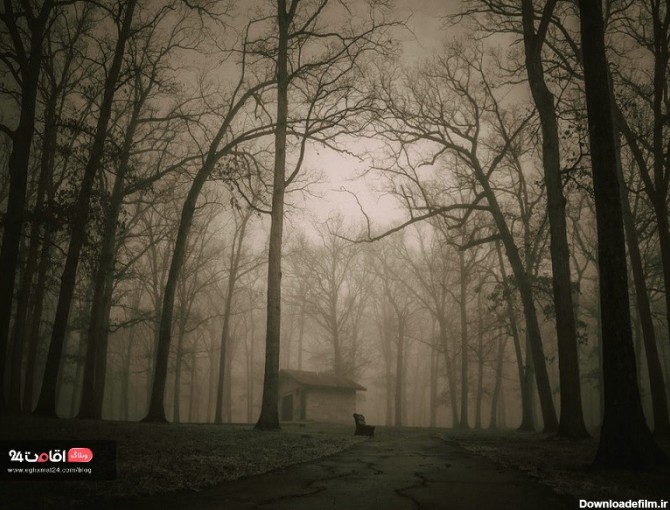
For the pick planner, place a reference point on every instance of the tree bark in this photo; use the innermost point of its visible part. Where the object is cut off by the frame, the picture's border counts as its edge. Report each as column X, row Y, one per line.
column 179, row 358
column 659, row 397
column 526, row 395
column 34, row 328
column 450, row 376
column 480, row 369
column 493, row 424
column 269, row 417
column 399, row 374
column 625, row 439
column 463, row 423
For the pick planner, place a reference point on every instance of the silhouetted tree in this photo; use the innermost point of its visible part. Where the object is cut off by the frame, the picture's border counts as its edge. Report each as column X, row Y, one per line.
column 625, row 439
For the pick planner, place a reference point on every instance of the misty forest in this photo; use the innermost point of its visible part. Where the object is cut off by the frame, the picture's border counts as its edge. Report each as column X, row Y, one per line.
column 462, row 206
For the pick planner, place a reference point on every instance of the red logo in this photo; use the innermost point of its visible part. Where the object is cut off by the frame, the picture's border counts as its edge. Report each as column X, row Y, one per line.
column 79, row 455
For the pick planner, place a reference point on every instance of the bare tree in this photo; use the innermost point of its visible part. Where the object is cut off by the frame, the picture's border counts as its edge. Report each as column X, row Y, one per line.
column 397, row 307
column 323, row 103
column 334, row 296
column 46, row 404
column 61, row 72
column 448, row 108
column 223, row 144
column 23, row 33
column 241, row 218
column 146, row 134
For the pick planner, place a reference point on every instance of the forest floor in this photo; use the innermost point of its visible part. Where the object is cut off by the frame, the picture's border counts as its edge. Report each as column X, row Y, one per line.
column 566, row 466
column 154, row 459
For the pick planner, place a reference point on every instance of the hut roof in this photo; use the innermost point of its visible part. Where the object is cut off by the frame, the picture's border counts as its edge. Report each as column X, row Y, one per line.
column 321, row 380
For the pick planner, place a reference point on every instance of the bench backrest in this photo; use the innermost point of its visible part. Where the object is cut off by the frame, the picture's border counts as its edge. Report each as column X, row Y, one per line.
column 359, row 419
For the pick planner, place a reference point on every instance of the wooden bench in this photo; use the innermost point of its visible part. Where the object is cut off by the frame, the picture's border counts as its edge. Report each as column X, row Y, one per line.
column 362, row 429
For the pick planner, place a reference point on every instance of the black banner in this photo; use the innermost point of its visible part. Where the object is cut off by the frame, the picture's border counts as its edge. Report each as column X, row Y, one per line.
column 57, row 460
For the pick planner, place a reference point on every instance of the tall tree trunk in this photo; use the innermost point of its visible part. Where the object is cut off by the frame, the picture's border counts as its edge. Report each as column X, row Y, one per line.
column 480, row 368
column 269, row 417
column 463, row 423
column 26, row 289
column 659, row 397
column 661, row 150
column 532, row 326
column 98, row 331
column 46, row 405
column 498, row 382
column 522, row 368
column 156, row 412
column 125, row 382
column 34, row 329
column 228, row 388
column 571, row 422
column 502, row 410
column 625, row 439
column 450, row 375
column 399, row 374
column 223, row 356
column 434, row 366
column 661, row 212
column 235, row 255
column 250, row 367
column 193, row 390
column 301, row 328
column 74, row 396
column 179, row 358
column 337, row 348
column 19, row 161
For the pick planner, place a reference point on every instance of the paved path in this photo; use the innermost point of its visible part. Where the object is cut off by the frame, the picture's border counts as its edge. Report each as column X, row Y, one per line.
column 394, row 471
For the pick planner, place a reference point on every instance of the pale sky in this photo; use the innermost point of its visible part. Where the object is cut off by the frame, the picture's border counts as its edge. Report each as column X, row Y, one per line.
column 340, row 171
